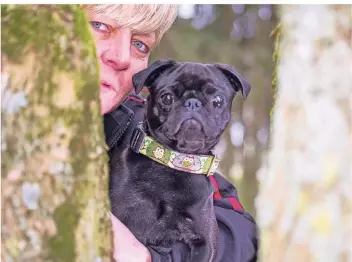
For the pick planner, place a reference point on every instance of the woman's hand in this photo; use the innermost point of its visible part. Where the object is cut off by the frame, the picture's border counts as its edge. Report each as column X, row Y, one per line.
column 126, row 247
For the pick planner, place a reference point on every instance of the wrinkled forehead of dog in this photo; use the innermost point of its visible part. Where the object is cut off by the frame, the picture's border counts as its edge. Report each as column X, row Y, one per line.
column 190, row 76
column 193, row 76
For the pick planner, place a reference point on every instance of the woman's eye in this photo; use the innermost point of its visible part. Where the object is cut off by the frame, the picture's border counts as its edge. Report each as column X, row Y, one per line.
column 141, row 46
column 99, row 26
column 218, row 102
column 167, row 99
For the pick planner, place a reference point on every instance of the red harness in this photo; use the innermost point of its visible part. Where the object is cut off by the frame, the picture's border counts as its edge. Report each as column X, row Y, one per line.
column 236, row 205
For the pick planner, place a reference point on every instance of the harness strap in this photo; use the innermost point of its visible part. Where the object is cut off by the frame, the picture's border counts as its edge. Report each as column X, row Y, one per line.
column 137, row 138
column 236, row 205
column 116, row 123
column 120, row 123
column 217, row 194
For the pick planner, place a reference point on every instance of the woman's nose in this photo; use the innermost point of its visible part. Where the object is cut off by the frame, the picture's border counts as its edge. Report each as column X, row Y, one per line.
column 118, row 53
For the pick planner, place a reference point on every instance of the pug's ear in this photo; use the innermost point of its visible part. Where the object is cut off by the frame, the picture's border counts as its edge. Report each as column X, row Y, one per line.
column 236, row 80
column 147, row 76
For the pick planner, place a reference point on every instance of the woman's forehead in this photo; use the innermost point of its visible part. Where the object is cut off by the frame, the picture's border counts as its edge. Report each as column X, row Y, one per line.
column 136, row 28
column 142, row 19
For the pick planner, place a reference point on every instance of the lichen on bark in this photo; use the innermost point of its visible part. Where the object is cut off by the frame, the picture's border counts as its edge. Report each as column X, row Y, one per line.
column 54, row 166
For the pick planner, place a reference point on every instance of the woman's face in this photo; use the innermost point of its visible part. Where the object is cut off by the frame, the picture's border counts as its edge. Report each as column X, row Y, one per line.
column 121, row 53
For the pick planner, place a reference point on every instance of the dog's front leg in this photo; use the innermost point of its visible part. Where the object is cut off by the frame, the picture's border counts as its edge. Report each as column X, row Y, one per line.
column 204, row 248
column 201, row 251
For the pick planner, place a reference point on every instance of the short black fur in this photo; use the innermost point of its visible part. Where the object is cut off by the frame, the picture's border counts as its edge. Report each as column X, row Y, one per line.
column 160, row 205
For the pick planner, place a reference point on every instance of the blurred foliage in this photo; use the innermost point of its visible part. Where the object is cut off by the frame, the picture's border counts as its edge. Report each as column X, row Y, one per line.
column 238, row 35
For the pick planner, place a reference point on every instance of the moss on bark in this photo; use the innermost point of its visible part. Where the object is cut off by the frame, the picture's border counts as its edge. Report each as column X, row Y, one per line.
column 54, row 164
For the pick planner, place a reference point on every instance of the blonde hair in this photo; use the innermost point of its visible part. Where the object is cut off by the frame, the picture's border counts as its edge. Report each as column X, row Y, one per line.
column 143, row 18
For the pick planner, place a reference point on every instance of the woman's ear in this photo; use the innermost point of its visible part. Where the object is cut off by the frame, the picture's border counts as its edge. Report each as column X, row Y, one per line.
column 147, row 76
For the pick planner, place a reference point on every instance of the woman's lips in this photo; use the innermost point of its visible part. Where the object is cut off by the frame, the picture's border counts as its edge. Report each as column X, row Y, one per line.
column 105, row 87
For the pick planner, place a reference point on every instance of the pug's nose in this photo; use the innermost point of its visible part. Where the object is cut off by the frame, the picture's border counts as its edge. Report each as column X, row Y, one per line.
column 193, row 104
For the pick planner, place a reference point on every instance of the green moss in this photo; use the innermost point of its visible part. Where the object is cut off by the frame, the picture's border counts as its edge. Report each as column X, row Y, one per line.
column 62, row 246
column 276, row 56
column 80, row 28
column 60, row 38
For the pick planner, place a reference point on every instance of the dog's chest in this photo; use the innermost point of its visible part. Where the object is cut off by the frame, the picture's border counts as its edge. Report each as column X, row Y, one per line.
column 157, row 203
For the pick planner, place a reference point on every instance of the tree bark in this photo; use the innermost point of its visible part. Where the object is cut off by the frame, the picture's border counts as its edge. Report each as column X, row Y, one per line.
column 304, row 206
column 54, row 166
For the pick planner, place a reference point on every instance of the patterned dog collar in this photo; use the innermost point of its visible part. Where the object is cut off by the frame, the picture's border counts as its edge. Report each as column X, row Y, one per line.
column 196, row 164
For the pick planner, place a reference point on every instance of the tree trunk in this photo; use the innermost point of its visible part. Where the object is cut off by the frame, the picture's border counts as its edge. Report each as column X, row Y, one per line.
column 305, row 203
column 54, row 166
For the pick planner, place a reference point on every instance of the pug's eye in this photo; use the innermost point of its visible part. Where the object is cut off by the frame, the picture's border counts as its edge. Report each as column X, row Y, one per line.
column 167, row 99
column 218, row 102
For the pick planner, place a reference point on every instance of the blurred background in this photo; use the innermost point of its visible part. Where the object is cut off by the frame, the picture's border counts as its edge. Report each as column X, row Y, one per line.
column 50, row 192
column 238, row 35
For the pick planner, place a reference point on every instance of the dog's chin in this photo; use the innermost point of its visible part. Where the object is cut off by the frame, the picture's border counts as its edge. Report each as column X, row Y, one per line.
column 190, row 146
column 190, row 137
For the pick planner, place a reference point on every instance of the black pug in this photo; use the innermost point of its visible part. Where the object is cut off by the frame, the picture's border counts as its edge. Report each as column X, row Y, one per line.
column 188, row 109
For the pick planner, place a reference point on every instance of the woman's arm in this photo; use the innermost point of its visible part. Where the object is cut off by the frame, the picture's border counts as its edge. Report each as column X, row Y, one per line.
column 126, row 247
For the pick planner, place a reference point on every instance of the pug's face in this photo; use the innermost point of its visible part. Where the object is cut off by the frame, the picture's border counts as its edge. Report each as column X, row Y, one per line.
column 189, row 105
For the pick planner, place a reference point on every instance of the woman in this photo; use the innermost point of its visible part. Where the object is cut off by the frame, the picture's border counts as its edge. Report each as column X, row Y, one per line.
column 124, row 37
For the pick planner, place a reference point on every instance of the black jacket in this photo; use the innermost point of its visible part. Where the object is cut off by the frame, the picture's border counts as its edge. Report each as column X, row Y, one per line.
column 237, row 229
